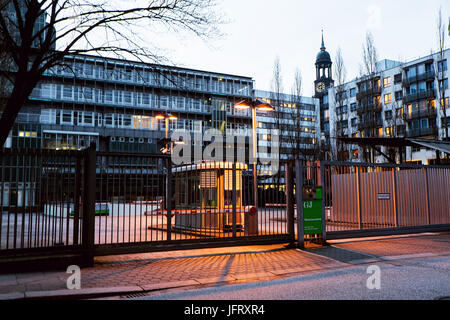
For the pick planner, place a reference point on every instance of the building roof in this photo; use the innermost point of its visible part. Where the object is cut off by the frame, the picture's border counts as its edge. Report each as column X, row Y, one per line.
column 443, row 146
column 323, row 57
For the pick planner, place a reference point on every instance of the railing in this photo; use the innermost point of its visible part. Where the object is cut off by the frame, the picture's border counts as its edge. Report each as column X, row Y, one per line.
column 428, row 94
column 421, row 132
column 428, row 75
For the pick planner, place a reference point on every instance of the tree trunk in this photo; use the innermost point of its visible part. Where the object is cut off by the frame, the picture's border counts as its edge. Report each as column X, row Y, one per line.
column 17, row 98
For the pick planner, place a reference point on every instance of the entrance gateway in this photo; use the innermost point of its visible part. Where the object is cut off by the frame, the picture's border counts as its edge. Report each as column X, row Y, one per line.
column 92, row 203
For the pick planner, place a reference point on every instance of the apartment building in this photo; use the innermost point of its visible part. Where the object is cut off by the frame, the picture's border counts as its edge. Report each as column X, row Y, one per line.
column 399, row 100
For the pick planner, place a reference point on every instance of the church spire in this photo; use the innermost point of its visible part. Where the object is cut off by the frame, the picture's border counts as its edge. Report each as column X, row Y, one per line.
column 323, row 43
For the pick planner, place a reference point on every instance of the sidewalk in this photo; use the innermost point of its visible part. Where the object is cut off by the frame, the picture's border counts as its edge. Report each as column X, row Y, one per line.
column 136, row 274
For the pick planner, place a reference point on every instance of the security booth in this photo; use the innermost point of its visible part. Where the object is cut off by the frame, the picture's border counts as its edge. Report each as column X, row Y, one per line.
column 204, row 197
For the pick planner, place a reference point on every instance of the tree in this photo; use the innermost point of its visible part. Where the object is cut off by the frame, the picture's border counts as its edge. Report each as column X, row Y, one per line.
column 370, row 54
column 369, row 113
column 296, row 100
column 440, row 74
column 277, row 102
column 37, row 35
column 340, row 98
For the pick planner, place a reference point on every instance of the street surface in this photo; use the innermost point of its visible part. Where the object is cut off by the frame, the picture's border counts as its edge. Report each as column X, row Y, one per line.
column 411, row 267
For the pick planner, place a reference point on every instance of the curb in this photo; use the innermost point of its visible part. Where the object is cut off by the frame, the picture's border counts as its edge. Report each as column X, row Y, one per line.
column 90, row 293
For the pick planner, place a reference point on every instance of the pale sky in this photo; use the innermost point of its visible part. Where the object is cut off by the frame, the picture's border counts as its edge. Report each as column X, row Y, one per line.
column 261, row 30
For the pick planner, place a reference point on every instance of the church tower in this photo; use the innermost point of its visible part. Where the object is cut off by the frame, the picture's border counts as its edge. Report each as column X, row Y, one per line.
column 324, row 81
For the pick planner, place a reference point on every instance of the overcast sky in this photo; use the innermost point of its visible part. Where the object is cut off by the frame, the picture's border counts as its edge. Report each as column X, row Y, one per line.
column 260, row 30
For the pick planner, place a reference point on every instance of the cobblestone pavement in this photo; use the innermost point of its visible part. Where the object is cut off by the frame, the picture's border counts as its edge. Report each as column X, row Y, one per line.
column 202, row 266
column 227, row 265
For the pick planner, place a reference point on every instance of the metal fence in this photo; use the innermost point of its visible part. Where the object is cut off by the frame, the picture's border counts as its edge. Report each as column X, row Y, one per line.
column 40, row 195
column 383, row 198
column 97, row 203
column 152, row 205
column 100, row 203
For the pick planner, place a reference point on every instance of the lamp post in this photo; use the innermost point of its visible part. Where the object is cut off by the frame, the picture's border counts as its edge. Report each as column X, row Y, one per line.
column 167, row 118
column 254, row 105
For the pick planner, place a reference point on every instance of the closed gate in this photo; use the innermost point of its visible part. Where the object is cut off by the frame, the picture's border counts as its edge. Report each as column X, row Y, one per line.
column 380, row 199
column 90, row 203
column 41, row 196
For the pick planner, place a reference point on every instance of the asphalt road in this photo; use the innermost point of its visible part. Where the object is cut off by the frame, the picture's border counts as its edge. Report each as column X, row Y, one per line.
column 406, row 268
column 420, row 279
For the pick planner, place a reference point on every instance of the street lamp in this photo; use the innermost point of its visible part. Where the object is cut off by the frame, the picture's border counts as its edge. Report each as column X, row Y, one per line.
column 254, row 105
column 166, row 141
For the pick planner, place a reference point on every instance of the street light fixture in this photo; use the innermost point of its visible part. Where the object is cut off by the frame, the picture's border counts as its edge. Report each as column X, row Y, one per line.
column 167, row 117
column 254, row 105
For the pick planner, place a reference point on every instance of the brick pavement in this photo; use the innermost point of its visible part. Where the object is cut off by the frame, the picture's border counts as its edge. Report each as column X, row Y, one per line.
column 162, row 270
column 192, row 267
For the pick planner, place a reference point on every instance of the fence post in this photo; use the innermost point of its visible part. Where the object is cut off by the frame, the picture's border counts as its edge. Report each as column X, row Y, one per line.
column 394, row 182
column 290, row 200
column 90, row 164
column 358, row 182
column 299, row 202
column 233, row 196
column 427, row 194
column 168, row 198
column 324, row 192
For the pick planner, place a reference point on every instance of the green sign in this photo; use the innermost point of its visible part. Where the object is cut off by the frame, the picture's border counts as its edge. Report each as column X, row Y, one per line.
column 312, row 212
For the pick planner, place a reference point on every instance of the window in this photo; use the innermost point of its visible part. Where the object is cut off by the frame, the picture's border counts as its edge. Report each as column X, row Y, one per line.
column 398, row 95
column 109, row 120
column 353, row 107
column 66, row 117
column 422, row 86
column 387, row 82
column 108, row 96
column 353, row 92
column 442, row 65
column 387, row 98
column 48, row 116
column 443, row 84
column 388, row 115
column 398, row 78
column 354, row 122
column 389, row 131
column 411, row 72
column 67, row 91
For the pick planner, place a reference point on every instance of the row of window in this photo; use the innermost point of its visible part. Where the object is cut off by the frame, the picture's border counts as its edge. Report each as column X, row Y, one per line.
column 125, row 121
column 128, row 98
column 155, row 77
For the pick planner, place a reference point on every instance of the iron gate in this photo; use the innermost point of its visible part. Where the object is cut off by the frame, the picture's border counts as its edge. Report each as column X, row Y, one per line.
column 95, row 203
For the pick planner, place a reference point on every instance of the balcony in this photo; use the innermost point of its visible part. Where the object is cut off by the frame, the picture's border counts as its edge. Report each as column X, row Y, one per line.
column 428, row 94
column 428, row 75
column 421, row 113
column 421, row 132
column 371, row 91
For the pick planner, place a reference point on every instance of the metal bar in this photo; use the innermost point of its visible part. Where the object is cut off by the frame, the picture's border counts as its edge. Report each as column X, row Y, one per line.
column 289, row 183
column 427, row 195
column 358, row 182
column 394, row 186
column 299, row 201
column 324, row 191
column 168, row 199
column 89, row 204
column 233, row 196
column 76, row 218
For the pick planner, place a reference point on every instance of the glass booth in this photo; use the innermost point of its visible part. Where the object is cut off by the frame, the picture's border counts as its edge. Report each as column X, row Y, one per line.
column 204, row 197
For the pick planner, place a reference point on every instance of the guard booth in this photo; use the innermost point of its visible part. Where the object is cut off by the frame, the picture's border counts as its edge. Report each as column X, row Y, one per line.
column 204, row 197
